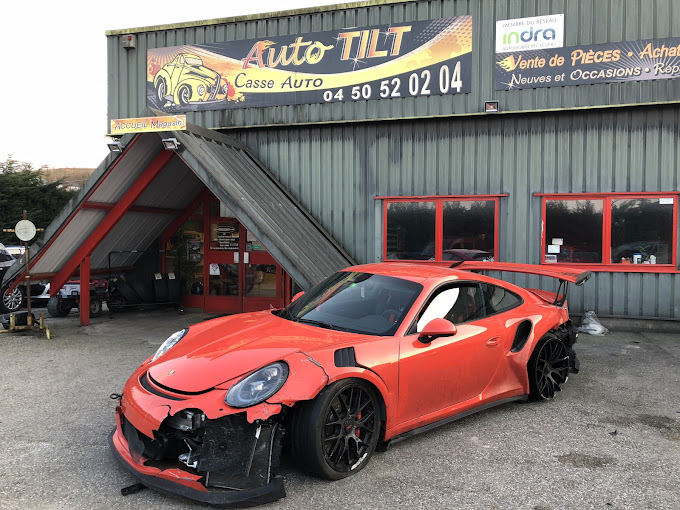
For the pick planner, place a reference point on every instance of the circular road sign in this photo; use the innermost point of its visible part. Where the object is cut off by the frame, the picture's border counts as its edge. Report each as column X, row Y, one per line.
column 25, row 230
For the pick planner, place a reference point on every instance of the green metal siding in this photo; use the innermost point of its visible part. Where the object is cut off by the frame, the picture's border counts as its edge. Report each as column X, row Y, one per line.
column 336, row 171
column 586, row 22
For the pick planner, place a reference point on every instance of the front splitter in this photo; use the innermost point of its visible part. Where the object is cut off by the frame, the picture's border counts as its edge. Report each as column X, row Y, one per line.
column 273, row 491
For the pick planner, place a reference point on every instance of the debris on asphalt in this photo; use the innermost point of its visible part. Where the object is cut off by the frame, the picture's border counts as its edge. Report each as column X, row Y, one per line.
column 591, row 326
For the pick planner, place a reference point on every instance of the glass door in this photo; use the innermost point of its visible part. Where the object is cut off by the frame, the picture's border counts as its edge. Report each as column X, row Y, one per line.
column 263, row 277
column 223, row 268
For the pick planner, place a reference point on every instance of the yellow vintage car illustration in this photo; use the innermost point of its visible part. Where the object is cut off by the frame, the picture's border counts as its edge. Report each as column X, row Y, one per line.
column 186, row 80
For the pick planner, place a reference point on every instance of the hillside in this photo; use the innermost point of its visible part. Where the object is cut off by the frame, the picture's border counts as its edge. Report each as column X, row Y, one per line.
column 72, row 178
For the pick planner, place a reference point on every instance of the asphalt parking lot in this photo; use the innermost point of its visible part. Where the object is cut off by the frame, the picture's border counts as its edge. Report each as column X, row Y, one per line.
column 610, row 440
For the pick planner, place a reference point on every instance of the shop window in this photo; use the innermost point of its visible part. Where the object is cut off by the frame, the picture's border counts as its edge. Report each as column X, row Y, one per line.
column 614, row 230
column 642, row 231
column 440, row 229
column 573, row 231
column 469, row 230
column 184, row 253
column 410, row 230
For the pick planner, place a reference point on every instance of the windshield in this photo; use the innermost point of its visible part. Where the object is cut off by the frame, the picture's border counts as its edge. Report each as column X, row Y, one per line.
column 194, row 61
column 365, row 303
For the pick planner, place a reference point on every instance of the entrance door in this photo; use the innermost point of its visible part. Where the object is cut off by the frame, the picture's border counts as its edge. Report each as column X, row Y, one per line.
column 241, row 276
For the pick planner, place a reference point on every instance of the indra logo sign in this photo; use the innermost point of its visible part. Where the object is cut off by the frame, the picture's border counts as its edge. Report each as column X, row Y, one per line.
column 530, row 33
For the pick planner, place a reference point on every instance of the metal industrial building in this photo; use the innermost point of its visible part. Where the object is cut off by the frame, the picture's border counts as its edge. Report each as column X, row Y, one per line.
column 577, row 163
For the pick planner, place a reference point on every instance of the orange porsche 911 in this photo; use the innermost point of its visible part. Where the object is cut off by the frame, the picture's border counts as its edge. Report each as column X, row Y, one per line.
column 372, row 354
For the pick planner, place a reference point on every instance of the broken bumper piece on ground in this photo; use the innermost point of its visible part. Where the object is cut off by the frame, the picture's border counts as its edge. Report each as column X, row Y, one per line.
column 224, row 463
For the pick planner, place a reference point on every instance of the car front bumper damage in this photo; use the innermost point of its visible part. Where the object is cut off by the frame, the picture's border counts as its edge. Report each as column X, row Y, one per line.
column 225, row 462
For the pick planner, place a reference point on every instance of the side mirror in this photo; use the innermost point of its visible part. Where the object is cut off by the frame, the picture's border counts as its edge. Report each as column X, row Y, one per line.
column 297, row 296
column 435, row 329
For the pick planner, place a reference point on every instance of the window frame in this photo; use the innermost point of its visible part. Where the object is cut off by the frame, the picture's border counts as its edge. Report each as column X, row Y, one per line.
column 439, row 221
column 607, row 199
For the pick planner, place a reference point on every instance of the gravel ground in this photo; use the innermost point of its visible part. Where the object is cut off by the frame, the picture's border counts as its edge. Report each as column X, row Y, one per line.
column 610, row 440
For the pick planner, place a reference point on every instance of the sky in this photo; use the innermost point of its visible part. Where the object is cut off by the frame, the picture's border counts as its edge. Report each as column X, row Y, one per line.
column 53, row 76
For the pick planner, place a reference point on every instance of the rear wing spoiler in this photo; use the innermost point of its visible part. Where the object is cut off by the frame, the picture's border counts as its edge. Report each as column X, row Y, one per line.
column 567, row 274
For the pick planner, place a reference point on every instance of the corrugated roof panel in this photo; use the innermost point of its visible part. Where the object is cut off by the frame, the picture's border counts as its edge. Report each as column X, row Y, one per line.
column 69, row 240
column 174, row 187
column 262, row 204
column 135, row 231
column 136, row 158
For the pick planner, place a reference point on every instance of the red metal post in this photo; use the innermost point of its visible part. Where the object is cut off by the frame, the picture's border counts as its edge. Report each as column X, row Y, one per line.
column 111, row 219
column 85, row 292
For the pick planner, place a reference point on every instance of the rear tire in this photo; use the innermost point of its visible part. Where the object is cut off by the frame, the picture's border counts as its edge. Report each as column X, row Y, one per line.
column 334, row 435
column 57, row 307
column 548, row 368
column 95, row 307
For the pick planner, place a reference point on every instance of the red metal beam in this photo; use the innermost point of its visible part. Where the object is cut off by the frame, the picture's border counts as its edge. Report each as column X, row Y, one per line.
column 111, row 219
column 139, row 209
column 84, row 292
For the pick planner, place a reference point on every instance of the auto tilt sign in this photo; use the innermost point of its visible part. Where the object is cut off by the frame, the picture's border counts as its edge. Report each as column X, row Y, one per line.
column 412, row 59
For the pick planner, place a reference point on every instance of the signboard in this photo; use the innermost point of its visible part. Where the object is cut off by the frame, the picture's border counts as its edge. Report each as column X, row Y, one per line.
column 412, row 59
column 530, row 33
column 228, row 236
column 25, row 230
column 651, row 59
column 148, row 124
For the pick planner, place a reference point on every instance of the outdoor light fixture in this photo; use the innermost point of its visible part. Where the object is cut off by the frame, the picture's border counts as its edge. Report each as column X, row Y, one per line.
column 491, row 107
column 115, row 146
column 170, row 144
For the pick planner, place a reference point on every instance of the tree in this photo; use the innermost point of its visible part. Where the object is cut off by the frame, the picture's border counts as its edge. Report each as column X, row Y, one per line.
column 22, row 187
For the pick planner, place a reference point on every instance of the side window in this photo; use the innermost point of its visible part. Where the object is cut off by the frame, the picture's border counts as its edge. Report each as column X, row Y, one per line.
column 5, row 256
column 458, row 304
column 497, row 299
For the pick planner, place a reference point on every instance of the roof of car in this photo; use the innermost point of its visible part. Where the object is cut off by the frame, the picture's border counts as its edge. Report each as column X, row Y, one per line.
column 413, row 272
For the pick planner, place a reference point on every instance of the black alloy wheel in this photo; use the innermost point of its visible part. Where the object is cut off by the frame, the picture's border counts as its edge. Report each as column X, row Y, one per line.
column 335, row 434
column 548, row 367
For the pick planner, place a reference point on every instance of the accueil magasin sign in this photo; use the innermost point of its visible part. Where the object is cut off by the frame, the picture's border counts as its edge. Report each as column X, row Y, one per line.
column 409, row 59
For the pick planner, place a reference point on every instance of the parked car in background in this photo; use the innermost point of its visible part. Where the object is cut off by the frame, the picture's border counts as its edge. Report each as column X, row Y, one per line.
column 465, row 254
column 9, row 301
column 16, row 300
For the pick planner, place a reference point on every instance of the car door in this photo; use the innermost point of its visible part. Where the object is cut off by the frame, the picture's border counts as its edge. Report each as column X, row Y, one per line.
column 448, row 370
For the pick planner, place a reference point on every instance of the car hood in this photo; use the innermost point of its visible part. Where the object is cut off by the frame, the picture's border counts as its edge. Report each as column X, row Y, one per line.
column 219, row 350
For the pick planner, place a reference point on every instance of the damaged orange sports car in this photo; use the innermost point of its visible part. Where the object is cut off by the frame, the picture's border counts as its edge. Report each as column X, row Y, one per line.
column 372, row 354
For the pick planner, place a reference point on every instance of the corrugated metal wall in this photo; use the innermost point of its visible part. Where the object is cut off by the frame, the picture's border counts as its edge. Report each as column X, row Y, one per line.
column 586, row 22
column 336, row 172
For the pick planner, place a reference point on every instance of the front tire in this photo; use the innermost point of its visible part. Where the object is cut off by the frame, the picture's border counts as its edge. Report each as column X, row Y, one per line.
column 183, row 95
column 334, row 435
column 548, row 368
column 10, row 303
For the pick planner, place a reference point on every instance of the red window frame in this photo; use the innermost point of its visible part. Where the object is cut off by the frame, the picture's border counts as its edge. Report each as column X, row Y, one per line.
column 607, row 231
column 439, row 221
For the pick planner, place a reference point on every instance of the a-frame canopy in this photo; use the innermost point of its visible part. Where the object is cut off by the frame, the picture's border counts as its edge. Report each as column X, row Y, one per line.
column 135, row 195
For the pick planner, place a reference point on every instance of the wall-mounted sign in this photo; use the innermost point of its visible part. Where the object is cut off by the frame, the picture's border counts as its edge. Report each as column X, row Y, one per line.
column 530, row 33
column 148, row 124
column 413, row 59
column 651, row 59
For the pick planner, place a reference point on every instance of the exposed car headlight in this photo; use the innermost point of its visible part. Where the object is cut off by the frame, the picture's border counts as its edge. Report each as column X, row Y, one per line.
column 225, row 88
column 169, row 343
column 201, row 90
column 258, row 386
